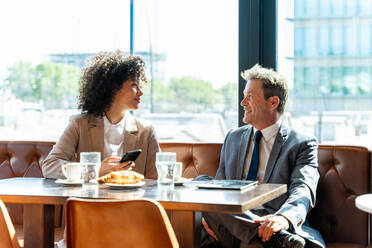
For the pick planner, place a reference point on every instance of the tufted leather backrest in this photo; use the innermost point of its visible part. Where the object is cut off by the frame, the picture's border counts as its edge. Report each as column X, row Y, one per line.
column 22, row 159
column 197, row 158
column 344, row 174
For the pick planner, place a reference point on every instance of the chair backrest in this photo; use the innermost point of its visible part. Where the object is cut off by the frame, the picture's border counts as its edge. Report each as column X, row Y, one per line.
column 113, row 223
column 8, row 238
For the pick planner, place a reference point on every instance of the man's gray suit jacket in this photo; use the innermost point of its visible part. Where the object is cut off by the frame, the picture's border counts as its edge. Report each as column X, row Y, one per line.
column 292, row 161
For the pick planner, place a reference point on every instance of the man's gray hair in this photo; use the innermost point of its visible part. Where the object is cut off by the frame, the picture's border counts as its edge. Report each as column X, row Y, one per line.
column 273, row 84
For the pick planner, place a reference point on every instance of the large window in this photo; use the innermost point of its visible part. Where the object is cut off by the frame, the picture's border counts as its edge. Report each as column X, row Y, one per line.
column 331, row 63
column 190, row 48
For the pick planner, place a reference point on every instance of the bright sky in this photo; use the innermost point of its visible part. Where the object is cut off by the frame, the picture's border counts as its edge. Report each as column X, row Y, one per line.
column 200, row 38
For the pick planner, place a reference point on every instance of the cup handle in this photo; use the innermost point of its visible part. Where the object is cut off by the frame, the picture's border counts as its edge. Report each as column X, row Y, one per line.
column 64, row 170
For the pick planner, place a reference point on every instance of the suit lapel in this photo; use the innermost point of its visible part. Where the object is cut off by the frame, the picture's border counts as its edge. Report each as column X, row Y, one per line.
column 96, row 134
column 277, row 147
column 243, row 152
column 130, row 133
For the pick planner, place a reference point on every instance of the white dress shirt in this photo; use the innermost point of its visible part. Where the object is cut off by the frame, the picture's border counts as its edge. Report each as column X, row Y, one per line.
column 266, row 145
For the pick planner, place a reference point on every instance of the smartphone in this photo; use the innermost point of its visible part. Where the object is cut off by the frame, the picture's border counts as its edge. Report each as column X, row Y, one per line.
column 130, row 156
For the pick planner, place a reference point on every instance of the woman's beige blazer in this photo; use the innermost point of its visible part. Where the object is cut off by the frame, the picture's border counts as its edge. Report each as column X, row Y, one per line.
column 85, row 134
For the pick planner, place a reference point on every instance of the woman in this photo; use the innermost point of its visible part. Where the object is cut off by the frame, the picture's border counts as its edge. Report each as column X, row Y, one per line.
column 110, row 88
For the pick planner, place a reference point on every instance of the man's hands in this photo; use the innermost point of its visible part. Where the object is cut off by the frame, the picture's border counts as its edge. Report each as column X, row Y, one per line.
column 271, row 224
column 209, row 230
column 111, row 164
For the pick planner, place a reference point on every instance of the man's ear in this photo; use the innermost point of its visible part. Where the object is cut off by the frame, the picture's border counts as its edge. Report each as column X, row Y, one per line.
column 274, row 102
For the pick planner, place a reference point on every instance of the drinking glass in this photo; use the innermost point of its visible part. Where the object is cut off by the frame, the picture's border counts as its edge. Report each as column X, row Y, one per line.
column 165, row 162
column 177, row 171
column 90, row 165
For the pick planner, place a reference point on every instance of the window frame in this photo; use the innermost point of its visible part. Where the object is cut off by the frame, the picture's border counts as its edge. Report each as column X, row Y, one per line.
column 257, row 19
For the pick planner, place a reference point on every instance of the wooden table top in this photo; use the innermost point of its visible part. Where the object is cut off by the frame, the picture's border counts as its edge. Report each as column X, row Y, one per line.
column 186, row 197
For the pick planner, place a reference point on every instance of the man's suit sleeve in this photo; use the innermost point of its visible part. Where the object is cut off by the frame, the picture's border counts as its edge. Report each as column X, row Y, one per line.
column 302, row 186
column 220, row 174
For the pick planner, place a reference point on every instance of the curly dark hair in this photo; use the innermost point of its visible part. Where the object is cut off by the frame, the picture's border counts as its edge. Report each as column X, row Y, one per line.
column 104, row 76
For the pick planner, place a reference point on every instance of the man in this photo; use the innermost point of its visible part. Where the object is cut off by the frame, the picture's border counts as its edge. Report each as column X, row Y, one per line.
column 267, row 150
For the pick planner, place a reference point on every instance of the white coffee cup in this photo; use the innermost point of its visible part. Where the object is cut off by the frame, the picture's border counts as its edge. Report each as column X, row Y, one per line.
column 72, row 171
column 177, row 171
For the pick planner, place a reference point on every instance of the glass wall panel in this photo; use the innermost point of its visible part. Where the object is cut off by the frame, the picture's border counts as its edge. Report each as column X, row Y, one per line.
column 190, row 48
column 337, row 40
column 352, row 40
column 299, row 42
column 365, row 40
column 324, row 46
column 332, row 94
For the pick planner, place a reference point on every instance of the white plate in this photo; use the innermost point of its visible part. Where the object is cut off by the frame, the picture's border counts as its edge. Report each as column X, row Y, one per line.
column 126, row 186
column 68, row 182
column 181, row 181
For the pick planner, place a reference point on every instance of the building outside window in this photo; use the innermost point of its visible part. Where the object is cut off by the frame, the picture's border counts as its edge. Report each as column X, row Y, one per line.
column 331, row 64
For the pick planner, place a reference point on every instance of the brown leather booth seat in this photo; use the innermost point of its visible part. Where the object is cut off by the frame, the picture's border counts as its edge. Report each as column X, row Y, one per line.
column 344, row 174
column 23, row 159
column 197, row 158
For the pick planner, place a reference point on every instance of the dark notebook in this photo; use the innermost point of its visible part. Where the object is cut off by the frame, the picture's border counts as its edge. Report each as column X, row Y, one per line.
column 225, row 184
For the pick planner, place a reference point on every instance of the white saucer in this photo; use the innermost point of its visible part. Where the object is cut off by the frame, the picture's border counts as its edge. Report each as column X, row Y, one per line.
column 181, row 181
column 126, row 186
column 68, row 182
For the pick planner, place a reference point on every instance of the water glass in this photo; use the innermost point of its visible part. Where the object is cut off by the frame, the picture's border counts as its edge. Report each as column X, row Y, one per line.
column 90, row 166
column 165, row 162
column 177, row 171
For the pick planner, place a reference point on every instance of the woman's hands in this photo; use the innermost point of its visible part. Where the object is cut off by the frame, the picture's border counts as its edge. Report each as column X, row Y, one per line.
column 112, row 164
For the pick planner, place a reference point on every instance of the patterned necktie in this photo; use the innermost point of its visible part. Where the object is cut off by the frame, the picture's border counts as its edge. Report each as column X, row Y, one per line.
column 252, row 174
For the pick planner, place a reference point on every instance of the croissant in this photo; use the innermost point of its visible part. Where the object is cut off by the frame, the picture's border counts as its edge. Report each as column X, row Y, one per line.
column 122, row 177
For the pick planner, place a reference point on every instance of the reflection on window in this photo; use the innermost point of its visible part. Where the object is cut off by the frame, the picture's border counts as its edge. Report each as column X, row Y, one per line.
column 351, row 43
column 323, row 41
column 325, row 8
column 299, row 7
column 310, row 42
column 337, row 39
column 365, row 40
column 338, row 7
column 299, row 49
column 365, row 7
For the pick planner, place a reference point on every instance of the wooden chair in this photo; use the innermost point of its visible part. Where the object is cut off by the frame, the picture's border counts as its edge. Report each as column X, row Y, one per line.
column 8, row 238
column 113, row 223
